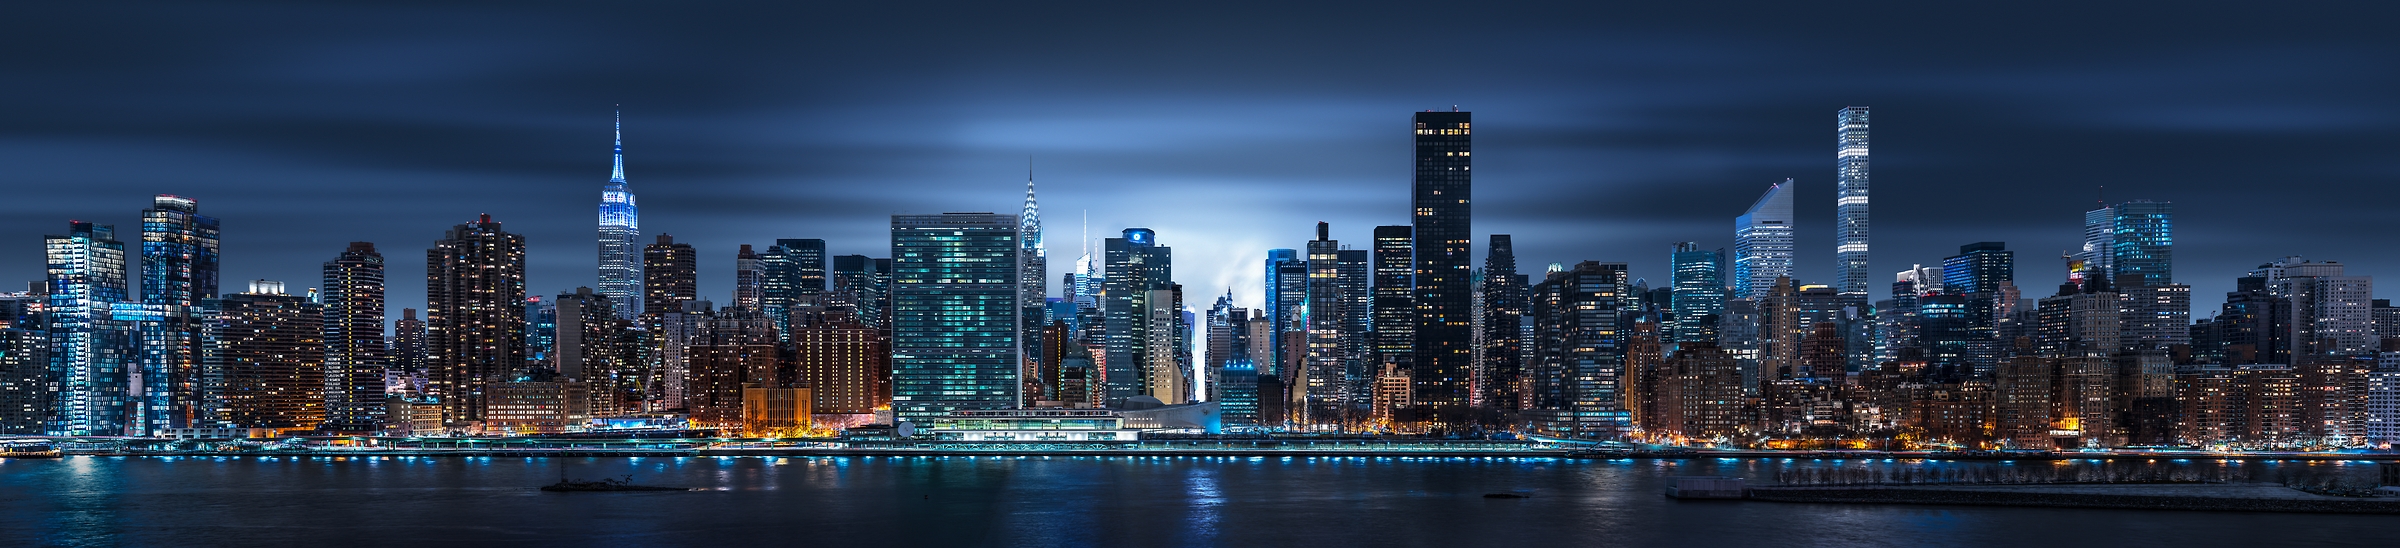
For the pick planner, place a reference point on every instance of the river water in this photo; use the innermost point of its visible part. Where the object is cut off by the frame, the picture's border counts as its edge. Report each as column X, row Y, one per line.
column 1035, row 501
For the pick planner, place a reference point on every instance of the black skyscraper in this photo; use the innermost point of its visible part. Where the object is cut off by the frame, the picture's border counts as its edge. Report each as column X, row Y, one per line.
column 1503, row 322
column 1441, row 357
column 1395, row 293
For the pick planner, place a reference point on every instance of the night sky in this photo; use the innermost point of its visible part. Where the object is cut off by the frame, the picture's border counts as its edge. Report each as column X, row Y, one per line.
column 1604, row 132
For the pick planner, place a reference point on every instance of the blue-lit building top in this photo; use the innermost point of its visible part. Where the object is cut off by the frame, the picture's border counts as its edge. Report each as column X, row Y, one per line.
column 620, row 225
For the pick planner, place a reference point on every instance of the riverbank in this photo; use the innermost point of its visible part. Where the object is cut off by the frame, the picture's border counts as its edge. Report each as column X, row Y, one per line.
column 2229, row 497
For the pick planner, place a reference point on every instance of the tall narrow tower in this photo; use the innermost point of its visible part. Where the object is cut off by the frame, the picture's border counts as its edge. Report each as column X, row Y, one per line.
column 1851, row 208
column 620, row 224
column 1033, row 275
column 1444, row 240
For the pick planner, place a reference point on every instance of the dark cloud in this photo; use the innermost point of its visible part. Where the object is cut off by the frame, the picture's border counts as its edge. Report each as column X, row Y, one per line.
column 1608, row 131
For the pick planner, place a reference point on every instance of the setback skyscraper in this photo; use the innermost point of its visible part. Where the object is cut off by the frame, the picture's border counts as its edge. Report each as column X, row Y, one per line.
column 1033, row 275
column 620, row 225
column 1763, row 243
column 1444, row 229
column 1850, row 207
column 954, row 313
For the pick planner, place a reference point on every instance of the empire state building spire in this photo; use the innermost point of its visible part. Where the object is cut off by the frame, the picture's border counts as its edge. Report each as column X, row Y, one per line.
column 620, row 225
column 616, row 172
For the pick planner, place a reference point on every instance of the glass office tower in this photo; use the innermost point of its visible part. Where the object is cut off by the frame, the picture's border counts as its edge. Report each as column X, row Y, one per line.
column 1763, row 243
column 954, row 313
column 1850, row 207
column 1443, row 187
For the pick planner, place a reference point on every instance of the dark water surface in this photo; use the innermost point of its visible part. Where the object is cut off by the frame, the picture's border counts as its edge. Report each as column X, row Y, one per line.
column 1034, row 501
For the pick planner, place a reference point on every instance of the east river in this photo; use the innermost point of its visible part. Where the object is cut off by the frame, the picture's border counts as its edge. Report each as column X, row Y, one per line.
column 1055, row 501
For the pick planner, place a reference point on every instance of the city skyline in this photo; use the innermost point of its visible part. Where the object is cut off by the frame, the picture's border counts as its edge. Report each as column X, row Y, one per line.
column 733, row 167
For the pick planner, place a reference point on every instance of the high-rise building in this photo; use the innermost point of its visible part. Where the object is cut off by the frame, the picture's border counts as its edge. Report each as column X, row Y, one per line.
column 179, row 272
column 541, row 333
column 1354, row 270
column 1136, row 265
column 1443, row 218
column 1326, row 377
column 1578, row 360
column 620, row 226
column 733, row 349
column 1763, row 243
column 587, row 352
column 1699, row 293
column 474, row 314
column 353, row 332
column 270, row 350
column 1224, row 340
column 25, row 383
column 794, row 269
column 1287, row 308
column 1504, row 294
column 866, row 281
column 954, row 313
column 91, row 350
column 670, row 277
column 1850, row 207
column 1165, row 363
column 2321, row 309
column 1394, row 294
column 749, row 280
column 1033, row 274
column 838, row 357
column 411, row 355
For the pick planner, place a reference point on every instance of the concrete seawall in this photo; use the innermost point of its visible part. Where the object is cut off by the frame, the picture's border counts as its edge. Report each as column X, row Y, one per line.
column 2235, row 497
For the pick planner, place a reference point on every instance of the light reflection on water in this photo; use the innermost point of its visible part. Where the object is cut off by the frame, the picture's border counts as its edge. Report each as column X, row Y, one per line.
column 1041, row 501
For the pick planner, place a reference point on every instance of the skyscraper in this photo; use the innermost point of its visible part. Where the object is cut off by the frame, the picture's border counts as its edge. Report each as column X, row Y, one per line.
column 620, row 225
column 1698, row 301
column 1395, row 313
column 587, row 353
column 90, row 349
column 1504, row 293
column 1850, row 207
column 1578, row 368
column 1287, row 305
column 954, row 313
column 749, row 279
column 1763, row 243
column 1033, row 274
column 353, row 334
column 1136, row 265
column 1325, row 376
column 474, row 314
column 270, row 350
column 1444, row 229
column 670, row 277
column 794, row 268
column 863, row 278
column 179, row 271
